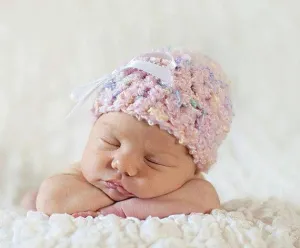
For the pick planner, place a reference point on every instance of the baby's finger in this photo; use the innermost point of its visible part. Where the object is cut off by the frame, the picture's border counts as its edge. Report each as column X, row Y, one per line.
column 113, row 209
column 85, row 214
column 82, row 214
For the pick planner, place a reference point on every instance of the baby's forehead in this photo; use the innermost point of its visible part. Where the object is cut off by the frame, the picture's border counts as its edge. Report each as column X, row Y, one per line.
column 126, row 126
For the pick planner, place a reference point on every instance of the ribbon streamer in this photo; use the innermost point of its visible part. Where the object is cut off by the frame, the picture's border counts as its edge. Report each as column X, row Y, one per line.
column 81, row 93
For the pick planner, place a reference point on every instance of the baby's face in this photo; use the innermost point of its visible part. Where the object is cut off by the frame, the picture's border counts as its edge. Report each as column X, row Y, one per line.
column 127, row 158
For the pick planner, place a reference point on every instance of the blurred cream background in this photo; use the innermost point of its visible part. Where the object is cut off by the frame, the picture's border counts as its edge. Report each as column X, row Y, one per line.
column 49, row 47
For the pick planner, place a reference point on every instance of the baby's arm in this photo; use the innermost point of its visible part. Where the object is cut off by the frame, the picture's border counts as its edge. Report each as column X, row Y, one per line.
column 196, row 195
column 70, row 193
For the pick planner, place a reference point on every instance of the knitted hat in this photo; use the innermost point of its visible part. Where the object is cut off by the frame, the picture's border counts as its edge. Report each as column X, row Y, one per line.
column 184, row 93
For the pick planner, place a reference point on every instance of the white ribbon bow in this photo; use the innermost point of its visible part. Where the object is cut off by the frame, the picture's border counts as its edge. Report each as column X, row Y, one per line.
column 81, row 93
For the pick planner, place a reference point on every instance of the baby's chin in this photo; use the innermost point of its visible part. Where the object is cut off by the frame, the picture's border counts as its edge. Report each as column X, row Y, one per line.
column 115, row 195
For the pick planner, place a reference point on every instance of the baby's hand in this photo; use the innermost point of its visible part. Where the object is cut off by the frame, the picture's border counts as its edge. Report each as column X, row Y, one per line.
column 86, row 214
column 117, row 208
column 70, row 193
column 196, row 196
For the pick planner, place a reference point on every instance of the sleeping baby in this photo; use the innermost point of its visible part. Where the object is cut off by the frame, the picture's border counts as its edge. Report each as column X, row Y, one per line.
column 159, row 121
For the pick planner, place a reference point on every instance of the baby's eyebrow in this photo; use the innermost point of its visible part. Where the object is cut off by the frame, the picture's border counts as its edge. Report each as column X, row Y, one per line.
column 164, row 153
column 114, row 129
column 107, row 125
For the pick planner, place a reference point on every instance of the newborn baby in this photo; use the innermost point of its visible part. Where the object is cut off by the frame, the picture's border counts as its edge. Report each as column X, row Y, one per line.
column 159, row 122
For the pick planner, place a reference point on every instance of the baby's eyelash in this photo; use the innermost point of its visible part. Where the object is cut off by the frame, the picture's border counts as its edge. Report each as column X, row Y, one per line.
column 109, row 142
column 152, row 161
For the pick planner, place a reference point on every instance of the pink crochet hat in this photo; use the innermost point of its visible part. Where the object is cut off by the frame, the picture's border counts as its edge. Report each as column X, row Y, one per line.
column 184, row 93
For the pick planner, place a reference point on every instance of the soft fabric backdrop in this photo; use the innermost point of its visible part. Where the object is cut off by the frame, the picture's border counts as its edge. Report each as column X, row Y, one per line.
column 49, row 47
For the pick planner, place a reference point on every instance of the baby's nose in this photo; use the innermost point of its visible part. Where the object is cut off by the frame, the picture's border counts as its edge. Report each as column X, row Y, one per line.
column 124, row 167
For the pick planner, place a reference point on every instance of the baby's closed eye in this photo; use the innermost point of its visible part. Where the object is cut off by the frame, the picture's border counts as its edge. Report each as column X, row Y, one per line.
column 152, row 160
column 158, row 161
column 107, row 142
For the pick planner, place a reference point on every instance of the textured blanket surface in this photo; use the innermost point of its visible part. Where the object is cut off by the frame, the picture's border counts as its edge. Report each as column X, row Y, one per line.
column 242, row 223
column 48, row 48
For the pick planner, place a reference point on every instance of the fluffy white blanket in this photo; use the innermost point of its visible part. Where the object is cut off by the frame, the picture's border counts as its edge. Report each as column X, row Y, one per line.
column 242, row 223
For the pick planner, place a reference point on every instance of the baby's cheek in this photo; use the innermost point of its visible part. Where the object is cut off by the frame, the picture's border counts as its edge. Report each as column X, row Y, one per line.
column 90, row 163
column 155, row 188
column 172, row 181
column 88, row 172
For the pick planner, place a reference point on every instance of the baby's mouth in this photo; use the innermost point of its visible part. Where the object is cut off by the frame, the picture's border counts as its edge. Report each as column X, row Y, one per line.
column 117, row 185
